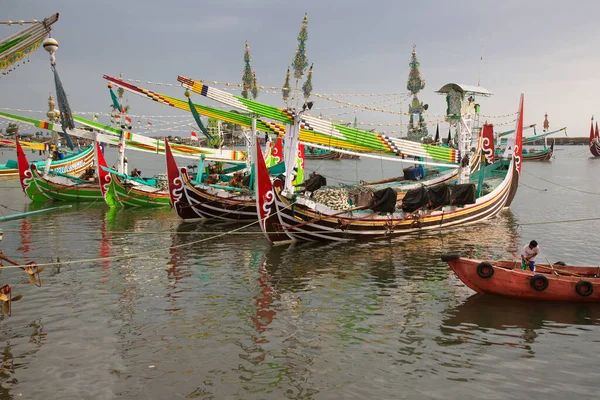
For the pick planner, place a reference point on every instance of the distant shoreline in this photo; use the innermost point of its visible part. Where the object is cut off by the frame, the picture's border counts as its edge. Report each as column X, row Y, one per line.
column 563, row 141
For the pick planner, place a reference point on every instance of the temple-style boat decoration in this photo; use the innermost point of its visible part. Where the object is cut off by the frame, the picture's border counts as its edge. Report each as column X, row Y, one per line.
column 417, row 127
column 50, row 186
column 594, row 139
column 506, row 278
column 285, row 216
column 122, row 190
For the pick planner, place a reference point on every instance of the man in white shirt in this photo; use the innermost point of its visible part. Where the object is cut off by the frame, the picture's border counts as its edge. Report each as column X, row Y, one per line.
column 528, row 255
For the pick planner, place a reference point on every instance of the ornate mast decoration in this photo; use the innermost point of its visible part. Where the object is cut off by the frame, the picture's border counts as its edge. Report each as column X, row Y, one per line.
column 300, row 62
column 417, row 129
column 249, row 87
column 248, row 77
column 546, row 123
column 294, row 151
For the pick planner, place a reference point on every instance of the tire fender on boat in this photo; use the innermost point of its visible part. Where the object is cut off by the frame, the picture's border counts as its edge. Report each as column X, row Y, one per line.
column 584, row 288
column 485, row 270
column 538, row 282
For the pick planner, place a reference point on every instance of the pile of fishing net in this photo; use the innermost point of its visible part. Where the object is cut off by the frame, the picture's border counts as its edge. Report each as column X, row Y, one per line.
column 162, row 181
column 336, row 199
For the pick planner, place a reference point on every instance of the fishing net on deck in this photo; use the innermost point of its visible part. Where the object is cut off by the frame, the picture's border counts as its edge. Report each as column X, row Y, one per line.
column 162, row 182
column 336, row 199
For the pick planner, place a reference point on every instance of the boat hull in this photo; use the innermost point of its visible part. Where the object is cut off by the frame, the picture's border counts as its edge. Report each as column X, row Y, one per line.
column 73, row 165
column 507, row 279
column 138, row 195
column 196, row 203
column 40, row 189
column 544, row 155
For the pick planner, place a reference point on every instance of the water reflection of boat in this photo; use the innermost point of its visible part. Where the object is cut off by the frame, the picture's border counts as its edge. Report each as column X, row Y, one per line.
column 496, row 312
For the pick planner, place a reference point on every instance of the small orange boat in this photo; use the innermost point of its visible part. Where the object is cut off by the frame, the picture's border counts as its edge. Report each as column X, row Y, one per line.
column 556, row 282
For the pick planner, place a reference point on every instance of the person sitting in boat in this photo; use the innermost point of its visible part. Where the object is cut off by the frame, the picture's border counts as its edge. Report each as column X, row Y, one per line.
column 530, row 251
column 136, row 172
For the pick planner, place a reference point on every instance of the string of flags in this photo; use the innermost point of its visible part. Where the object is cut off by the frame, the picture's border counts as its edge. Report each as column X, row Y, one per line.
column 230, row 86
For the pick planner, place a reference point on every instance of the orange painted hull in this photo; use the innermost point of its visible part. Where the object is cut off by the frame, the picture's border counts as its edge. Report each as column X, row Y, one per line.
column 505, row 278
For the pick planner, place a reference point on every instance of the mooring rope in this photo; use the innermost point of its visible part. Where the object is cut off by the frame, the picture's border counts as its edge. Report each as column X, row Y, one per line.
column 563, row 186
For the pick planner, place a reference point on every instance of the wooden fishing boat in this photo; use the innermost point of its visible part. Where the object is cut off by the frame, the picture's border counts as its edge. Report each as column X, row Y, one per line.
column 284, row 218
column 55, row 185
column 195, row 202
column 506, row 278
column 74, row 164
column 120, row 190
column 546, row 154
column 318, row 154
column 542, row 155
column 594, row 140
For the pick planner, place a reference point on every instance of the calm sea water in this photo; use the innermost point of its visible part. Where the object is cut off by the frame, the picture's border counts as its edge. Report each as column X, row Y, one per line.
column 184, row 311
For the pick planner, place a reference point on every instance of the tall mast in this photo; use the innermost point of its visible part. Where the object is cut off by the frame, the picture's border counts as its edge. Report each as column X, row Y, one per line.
column 53, row 116
column 249, row 87
column 417, row 128
column 480, row 67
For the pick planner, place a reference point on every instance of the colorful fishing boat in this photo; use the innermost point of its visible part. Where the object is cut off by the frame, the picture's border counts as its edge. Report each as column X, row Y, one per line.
column 41, row 187
column 73, row 164
column 594, row 139
column 542, row 155
column 121, row 190
column 285, row 218
column 114, row 136
column 506, row 278
column 311, row 153
column 194, row 201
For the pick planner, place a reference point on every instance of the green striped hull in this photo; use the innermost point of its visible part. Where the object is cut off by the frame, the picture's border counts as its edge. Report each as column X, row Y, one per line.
column 137, row 196
column 40, row 189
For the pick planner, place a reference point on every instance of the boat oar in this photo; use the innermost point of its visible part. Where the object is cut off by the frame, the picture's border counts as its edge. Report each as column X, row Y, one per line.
column 551, row 266
column 560, row 271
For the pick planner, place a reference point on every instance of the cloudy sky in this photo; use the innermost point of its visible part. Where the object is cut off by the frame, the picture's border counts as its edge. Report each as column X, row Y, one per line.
column 547, row 51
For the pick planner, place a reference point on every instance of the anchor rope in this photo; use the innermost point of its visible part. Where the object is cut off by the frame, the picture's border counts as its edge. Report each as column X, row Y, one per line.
column 563, row 186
